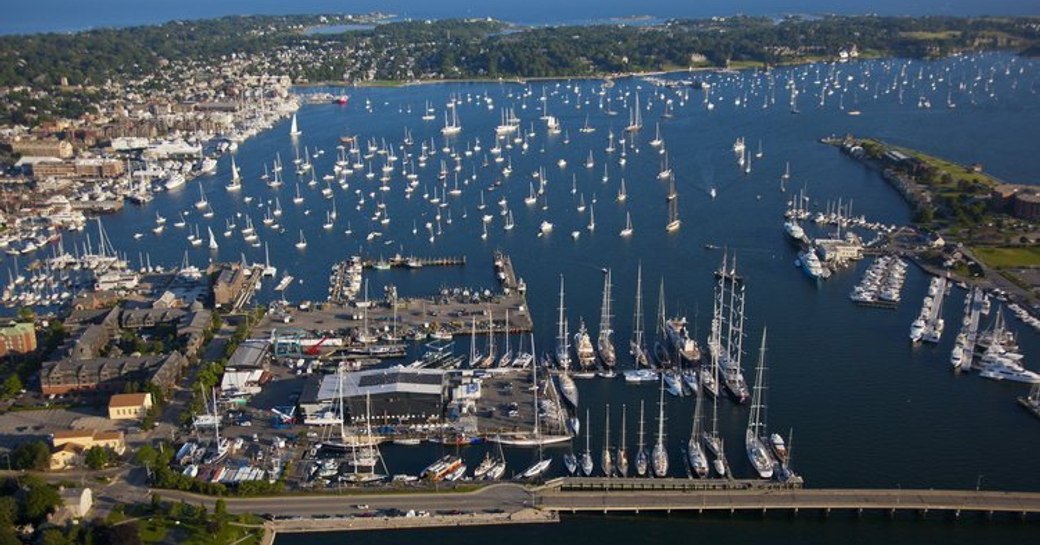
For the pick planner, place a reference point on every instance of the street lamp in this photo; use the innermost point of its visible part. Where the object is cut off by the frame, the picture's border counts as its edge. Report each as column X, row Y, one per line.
column 978, row 483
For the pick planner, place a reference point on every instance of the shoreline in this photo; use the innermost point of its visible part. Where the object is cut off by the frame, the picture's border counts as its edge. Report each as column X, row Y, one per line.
column 523, row 80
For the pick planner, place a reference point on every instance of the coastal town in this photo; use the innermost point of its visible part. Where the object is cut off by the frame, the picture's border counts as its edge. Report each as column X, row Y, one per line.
column 169, row 398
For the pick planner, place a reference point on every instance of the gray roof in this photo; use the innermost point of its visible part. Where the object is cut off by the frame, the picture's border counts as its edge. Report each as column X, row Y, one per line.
column 382, row 381
column 250, row 353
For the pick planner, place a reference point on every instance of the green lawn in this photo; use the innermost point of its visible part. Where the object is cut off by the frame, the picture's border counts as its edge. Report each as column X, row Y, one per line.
column 957, row 172
column 925, row 35
column 1009, row 257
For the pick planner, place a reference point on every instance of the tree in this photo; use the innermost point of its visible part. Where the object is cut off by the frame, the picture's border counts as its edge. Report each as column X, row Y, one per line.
column 127, row 533
column 8, row 536
column 12, row 385
column 35, row 456
column 147, row 456
column 8, row 511
column 220, row 509
column 26, row 314
column 53, row 536
column 40, row 499
column 96, row 457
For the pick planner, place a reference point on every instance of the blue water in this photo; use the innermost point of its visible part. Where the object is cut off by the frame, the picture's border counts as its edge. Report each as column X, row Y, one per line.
column 867, row 408
column 71, row 15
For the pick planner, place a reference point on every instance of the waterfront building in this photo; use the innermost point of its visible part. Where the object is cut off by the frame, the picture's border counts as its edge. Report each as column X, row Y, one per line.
column 129, row 406
column 69, row 445
column 109, row 374
column 396, row 395
column 17, row 338
column 60, row 149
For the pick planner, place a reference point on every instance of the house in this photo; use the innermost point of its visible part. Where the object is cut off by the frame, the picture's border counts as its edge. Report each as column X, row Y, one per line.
column 17, row 338
column 129, row 406
column 86, row 439
column 66, row 456
column 69, row 445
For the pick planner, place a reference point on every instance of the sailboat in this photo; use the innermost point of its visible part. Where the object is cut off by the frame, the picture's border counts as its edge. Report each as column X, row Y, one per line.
column 568, row 389
column 586, row 457
column 637, row 346
column 212, row 239
column 757, row 452
column 659, row 456
column 607, row 355
column 538, row 468
column 642, row 460
column 635, row 120
column 294, row 129
column 451, row 124
column 622, row 194
column 657, row 141
column 673, row 210
column 627, row 230
column 711, row 439
column 621, row 463
column 563, row 353
column 606, row 461
column 236, row 179
column 302, row 243
column 696, row 459
column 202, row 202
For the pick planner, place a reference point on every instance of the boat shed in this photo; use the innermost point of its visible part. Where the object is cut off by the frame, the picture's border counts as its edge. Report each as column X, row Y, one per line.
column 395, row 395
column 250, row 354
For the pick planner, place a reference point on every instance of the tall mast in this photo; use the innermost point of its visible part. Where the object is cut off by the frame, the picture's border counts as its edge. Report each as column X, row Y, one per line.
column 339, row 397
column 637, row 327
column 562, row 349
column 660, row 415
column 606, row 442
column 755, row 417
column 473, row 343
column 731, row 319
column 491, row 334
column 660, row 310
column 624, row 416
column 507, row 331
column 534, row 379
column 606, row 346
column 642, row 441
column 588, row 432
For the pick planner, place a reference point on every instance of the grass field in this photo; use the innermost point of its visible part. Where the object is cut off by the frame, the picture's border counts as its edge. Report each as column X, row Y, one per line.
column 957, row 172
column 1002, row 257
column 924, row 35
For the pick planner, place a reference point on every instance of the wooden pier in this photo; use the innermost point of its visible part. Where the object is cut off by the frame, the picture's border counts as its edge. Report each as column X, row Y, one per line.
column 413, row 262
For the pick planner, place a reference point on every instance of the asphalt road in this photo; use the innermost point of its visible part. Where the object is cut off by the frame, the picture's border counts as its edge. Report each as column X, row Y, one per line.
column 506, row 496
column 1016, row 502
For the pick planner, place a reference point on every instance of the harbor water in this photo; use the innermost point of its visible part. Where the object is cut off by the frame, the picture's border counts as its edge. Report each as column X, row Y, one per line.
column 868, row 409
